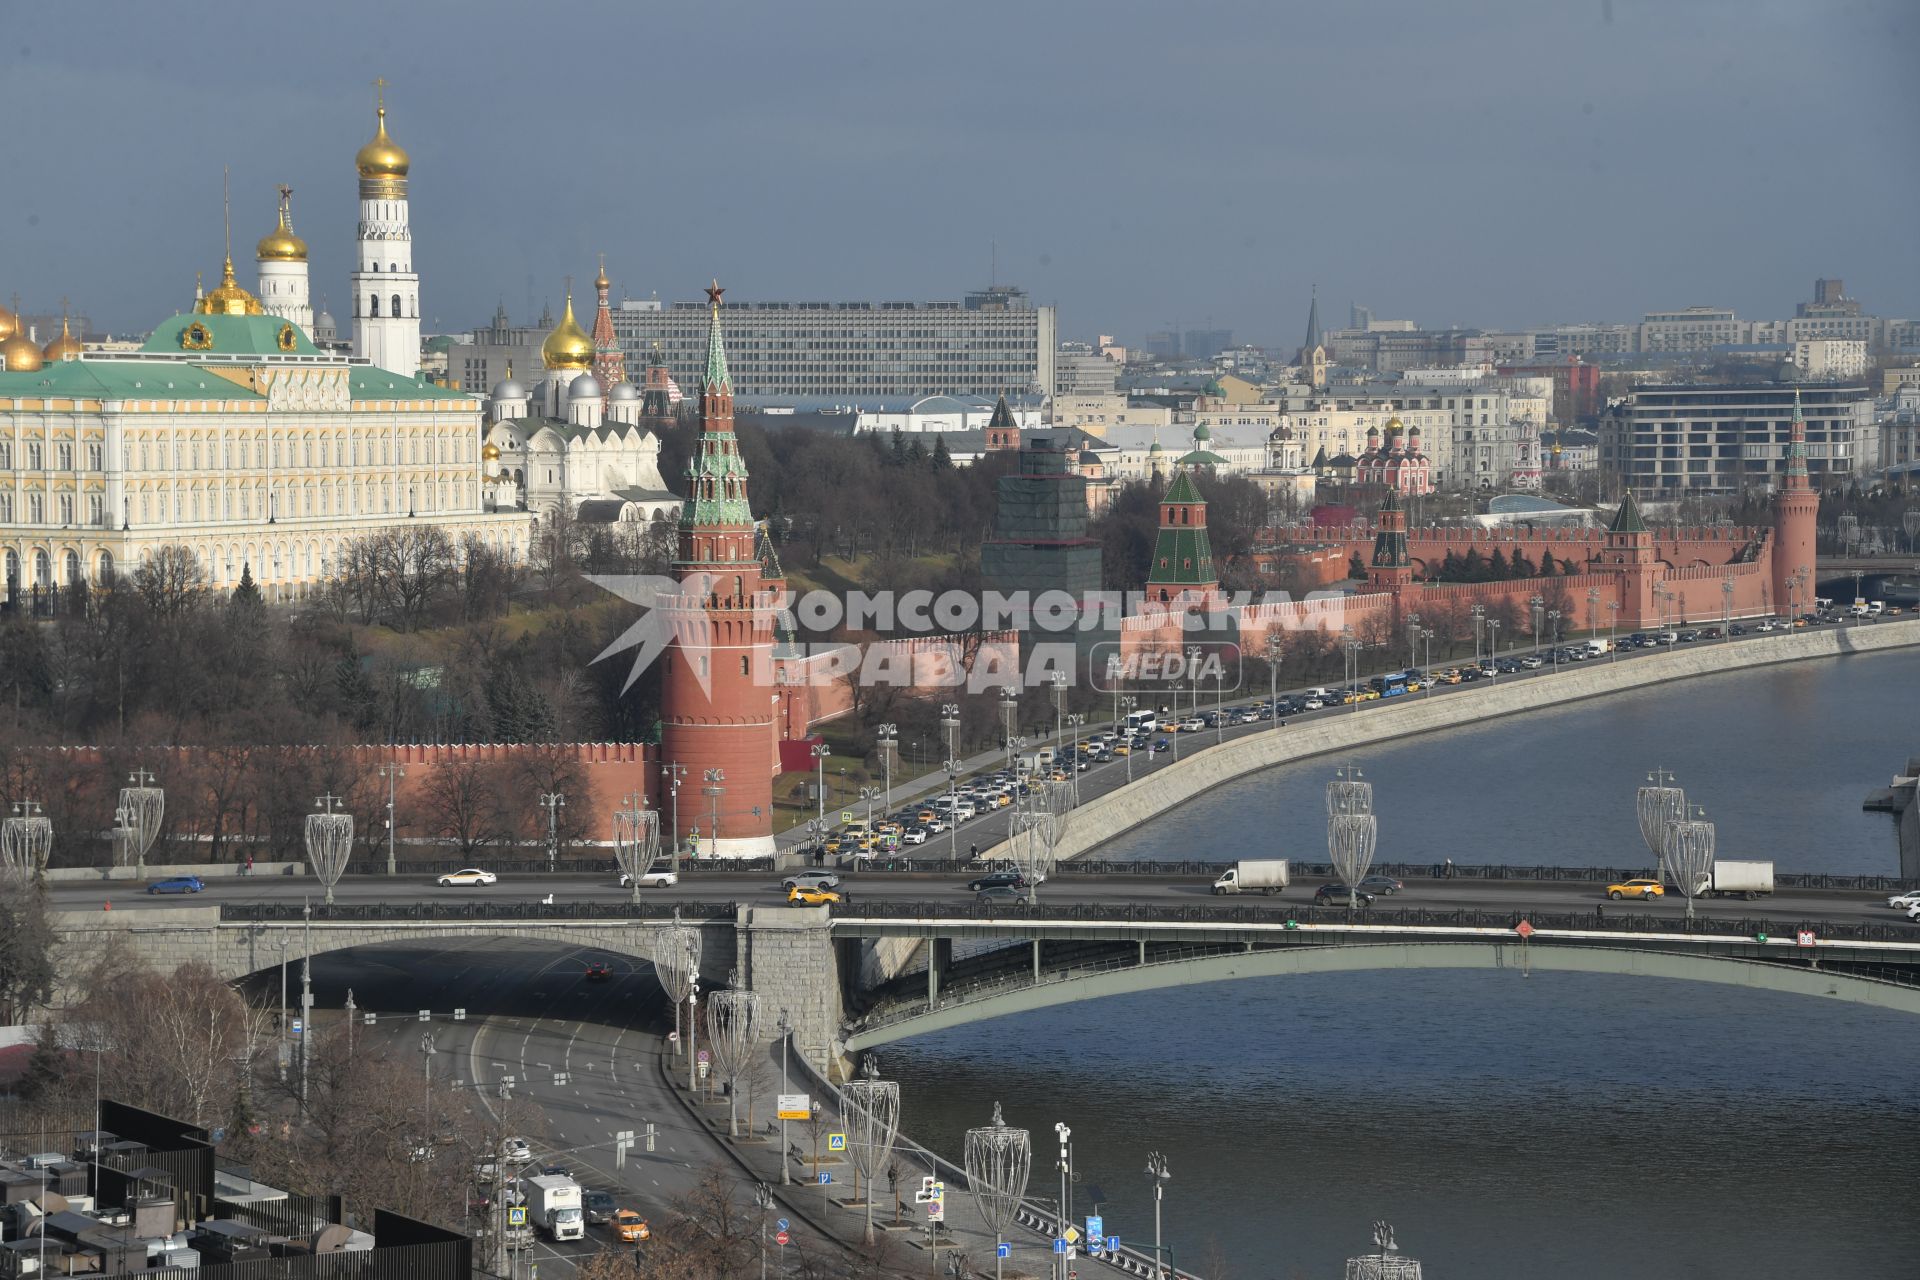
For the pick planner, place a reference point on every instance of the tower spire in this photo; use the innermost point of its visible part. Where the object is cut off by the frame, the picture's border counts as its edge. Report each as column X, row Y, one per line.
column 1796, row 477
column 609, row 362
column 716, row 378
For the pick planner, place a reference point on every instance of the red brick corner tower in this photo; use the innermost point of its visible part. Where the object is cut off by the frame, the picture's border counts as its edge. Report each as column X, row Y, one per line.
column 1392, row 568
column 1796, row 515
column 717, row 695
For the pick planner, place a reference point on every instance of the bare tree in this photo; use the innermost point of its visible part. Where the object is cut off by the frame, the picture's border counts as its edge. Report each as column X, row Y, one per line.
column 461, row 802
column 170, row 580
column 415, row 565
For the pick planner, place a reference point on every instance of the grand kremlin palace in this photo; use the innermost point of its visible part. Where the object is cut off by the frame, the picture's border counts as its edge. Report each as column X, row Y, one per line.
column 229, row 432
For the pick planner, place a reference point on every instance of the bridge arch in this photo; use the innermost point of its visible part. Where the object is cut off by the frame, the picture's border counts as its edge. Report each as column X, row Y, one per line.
column 1074, row 986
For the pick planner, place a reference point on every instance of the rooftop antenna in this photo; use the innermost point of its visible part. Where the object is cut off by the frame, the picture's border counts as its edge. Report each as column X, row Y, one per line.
column 993, row 264
column 226, row 209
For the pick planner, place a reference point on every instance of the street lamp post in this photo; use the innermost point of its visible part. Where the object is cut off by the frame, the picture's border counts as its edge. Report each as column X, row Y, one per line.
column 391, row 772
column 868, row 795
column 1479, row 612
column 820, row 751
column 1059, row 682
column 1553, row 634
column 1158, row 1171
column 1127, row 704
column 950, row 721
column 1413, row 639
column 1726, row 609
column 1613, row 624
column 1353, row 646
column 1493, row 648
column 1275, row 648
column 1009, row 713
column 1066, row 1169
column 554, row 802
column 1535, row 606
column 889, row 741
column 713, row 790
column 1426, row 672
column 675, row 773
column 785, row 1030
column 1593, row 610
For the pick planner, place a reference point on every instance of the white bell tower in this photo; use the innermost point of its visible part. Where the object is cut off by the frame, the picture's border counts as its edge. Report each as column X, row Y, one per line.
column 386, row 292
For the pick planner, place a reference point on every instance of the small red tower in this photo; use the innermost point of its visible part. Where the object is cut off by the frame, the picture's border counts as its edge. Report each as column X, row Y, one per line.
column 609, row 362
column 1392, row 568
column 1181, row 574
column 717, row 694
column 1796, row 514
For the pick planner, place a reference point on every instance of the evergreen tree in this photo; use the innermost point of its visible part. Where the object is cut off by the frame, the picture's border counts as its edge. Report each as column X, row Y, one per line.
column 916, row 453
column 247, row 594
column 898, row 455
column 1451, row 569
column 1497, row 566
column 1522, row 566
column 1546, row 564
column 1473, row 568
column 1356, row 567
column 942, row 460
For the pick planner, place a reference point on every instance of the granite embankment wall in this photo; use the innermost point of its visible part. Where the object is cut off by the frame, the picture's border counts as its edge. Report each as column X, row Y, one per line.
column 1121, row 811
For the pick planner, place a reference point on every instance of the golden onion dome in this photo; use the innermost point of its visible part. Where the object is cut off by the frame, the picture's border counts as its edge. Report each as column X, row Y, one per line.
column 64, row 347
column 9, row 323
column 229, row 299
column 568, row 346
column 1394, row 424
column 21, row 354
column 490, row 451
column 382, row 157
column 280, row 244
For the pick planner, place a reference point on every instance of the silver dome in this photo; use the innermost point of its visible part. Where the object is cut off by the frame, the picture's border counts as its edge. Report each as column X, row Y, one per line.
column 624, row 391
column 583, row 386
column 511, row 389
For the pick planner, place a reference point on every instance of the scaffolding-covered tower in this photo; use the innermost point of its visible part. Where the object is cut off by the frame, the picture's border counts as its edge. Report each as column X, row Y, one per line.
column 1388, row 1264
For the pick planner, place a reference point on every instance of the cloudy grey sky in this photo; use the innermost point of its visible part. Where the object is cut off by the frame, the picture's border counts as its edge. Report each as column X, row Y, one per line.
column 1475, row 162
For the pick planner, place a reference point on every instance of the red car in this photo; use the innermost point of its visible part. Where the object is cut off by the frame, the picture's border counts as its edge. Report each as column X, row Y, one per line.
column 598, row 973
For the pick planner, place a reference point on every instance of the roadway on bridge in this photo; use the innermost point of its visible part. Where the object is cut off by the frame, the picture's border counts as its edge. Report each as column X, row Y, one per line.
column 1070, row 888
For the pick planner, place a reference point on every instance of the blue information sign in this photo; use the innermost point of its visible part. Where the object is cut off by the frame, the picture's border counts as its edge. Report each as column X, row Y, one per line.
column 1006, row 1250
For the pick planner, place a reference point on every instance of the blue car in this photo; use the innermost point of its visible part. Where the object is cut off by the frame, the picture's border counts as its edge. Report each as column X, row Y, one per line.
column 178, row 884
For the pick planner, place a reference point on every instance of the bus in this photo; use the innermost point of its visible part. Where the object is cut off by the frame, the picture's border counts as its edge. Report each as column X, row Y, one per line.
column 1394, row 685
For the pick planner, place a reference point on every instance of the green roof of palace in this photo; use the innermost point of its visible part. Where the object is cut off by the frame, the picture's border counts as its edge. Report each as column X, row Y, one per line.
column 1202, row 458
column 371, row 383
column 231, row 336
column 122, row 380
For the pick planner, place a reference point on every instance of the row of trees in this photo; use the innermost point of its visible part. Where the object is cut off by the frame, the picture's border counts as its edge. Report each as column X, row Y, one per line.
column 1499, row 567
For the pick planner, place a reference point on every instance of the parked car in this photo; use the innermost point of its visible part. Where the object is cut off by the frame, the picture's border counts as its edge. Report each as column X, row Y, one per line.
column 995, row 879
column 810, row 880
column 177, row 884
column 1336, row 895
column 467, row 878
column 1641, row 888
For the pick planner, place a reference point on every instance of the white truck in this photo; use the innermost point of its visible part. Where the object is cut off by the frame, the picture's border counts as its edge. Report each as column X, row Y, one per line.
column 1265, row 875
column 1734, row 879
column 553, row 1205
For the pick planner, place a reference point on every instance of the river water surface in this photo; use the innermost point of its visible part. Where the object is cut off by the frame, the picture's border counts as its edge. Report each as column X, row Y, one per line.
column 1557, row 1125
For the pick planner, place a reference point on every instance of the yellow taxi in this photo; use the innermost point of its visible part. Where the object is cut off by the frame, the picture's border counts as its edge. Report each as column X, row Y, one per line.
column 1119, row 749
column 804, row 896
column 1636, row 889
column 631, row 1227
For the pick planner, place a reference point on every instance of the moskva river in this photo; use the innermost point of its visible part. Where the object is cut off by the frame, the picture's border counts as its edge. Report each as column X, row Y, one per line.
column 1508, row 1126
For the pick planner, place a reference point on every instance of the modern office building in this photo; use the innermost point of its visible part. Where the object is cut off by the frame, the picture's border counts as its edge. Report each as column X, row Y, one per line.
column 1666, row 440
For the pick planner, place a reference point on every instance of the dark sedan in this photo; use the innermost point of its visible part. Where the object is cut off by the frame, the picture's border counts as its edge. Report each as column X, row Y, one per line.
column 1336, row 894
column 1380, row 885
column 997, row 880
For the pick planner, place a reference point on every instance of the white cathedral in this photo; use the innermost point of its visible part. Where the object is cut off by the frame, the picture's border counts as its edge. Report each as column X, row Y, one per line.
column 579, row 440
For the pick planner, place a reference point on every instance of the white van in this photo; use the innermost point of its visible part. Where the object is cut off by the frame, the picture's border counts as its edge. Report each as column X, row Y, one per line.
column 1142, row 722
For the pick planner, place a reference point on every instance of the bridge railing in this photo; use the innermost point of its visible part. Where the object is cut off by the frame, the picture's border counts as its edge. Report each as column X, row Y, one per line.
column 444, row 912
column 1211, row 869
column 1601, row 918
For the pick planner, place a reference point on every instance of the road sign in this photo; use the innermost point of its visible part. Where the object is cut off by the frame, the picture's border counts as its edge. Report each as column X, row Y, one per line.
column 836, row 1142
column 1005, row 1250
column 1072, row 1234
column 1095, row 1227
column 846, row 815
column 1804, row 937
column 1113, row 1244
column 936, row 1210
column 781, row 1237
column 1059, row 1245
column 781, row 1225
column 794, row 1106
column 517, row 1216
column 296, row 1026
column 426, row 1015
column 673, row 1037
column 459, row 1015
column 825, row 1177
column 701, row 1055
